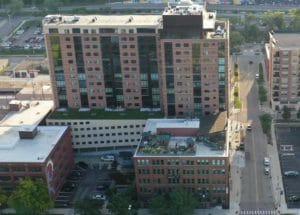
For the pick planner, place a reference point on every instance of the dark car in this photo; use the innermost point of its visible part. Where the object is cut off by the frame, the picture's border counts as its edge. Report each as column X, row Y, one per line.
column 294, row 198
column 250, row 62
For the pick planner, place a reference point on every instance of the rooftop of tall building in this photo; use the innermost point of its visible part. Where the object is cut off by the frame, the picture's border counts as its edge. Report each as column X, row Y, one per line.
column 287, row 40
column 184, row 7
column 102, row 20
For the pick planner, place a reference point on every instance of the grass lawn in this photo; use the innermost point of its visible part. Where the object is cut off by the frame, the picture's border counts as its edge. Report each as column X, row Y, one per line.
column 101, row 114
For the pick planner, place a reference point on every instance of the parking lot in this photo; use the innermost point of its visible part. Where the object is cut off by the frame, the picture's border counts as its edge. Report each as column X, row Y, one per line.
column 27, row 36
column 289, row 155
column 92, row 179
column 70, row 187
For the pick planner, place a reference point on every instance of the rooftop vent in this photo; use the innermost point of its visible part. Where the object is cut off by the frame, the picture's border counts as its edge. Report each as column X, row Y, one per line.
column 15, row 105
column 71, row 19
column 130, row 19
column 28, row 132
column 40, row 158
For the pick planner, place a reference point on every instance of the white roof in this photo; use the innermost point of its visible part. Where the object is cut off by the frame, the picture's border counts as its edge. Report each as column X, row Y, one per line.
column 32, row 113
column 153, row 124
column 36, row 150
column 105, row 20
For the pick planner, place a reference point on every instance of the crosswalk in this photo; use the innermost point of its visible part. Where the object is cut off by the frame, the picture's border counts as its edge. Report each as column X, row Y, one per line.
column 257, row 212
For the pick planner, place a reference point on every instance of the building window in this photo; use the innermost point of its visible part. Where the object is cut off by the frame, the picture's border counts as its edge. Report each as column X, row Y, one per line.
column 53, row 31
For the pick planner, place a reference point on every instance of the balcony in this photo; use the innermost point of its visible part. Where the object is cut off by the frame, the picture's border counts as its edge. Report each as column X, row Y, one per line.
column 276, row 87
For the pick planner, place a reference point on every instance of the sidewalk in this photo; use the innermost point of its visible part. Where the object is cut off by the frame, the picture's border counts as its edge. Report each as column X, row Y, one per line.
column 236, row 161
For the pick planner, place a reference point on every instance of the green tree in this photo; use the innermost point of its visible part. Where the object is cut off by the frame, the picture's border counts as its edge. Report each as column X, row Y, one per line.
column 286, row 113
column 274, row 20
column 294, row 25
column 3, row 198
column 236, row 39
column 250, row 18
column 234, row 20
column 253, row 34
column 30, row 197
column 178, row 202
column 89, row 206
column 52, row 5
column 265, row 121
column 182, row 202
column 262, row 94
column 15, row 6
column 120, row 203
column 159, row 205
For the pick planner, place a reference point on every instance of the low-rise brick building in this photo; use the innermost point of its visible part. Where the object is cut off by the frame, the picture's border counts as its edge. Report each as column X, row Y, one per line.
column 30, row 150
column 176, row 153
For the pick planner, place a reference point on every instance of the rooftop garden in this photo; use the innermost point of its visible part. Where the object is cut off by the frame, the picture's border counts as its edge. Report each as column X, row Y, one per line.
column 102, row 114
column 163, row 144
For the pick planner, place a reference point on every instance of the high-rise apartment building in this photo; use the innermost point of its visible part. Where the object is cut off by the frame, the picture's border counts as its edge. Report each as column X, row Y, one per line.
column 176, row 62
column 283, row 63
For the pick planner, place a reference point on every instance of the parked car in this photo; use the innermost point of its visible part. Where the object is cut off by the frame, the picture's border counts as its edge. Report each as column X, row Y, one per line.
column 291, row 173
column 266, row 161
column 294, row 198
column 99, row 197
column 267, row 171
column 107, row 157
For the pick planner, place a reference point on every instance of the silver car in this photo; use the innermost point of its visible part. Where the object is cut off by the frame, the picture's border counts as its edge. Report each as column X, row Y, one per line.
column 267, row 171
column 291, row 173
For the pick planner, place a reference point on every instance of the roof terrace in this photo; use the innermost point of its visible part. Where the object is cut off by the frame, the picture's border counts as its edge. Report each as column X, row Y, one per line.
column 177, row 137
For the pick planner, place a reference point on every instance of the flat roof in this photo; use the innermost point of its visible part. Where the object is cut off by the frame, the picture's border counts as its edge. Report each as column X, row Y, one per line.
column 103, row 20
column 167, row 145
column 153, row 124
column 36, row 150
column 287, row 40
column 102, row 114
column 31, row 113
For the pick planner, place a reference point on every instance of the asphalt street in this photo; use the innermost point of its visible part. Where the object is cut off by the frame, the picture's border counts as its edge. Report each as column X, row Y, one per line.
column 256, row 190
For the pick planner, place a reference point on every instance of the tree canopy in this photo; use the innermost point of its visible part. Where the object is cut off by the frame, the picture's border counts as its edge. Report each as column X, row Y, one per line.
column 52, row 5
column 286, row 113
column 15, row 6
column 89, row 206
column 3, row 198
column 123, row 203
column 274, row 20
column 236, row 39
column 178, row 202
column 30, row 197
